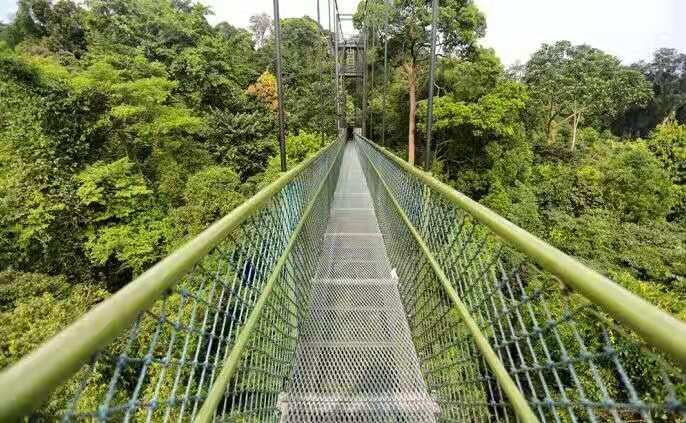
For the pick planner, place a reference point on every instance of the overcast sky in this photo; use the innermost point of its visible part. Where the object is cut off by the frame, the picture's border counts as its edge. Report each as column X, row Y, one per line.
column 629, row 29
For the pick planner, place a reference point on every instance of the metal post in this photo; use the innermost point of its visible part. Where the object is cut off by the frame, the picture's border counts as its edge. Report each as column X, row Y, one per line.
column 385, row 89
column 321, row 70
column 279, row 86
column 331, row 46
column 430, row 102
column 371, row 87
column 338, row 102
column 364, row 78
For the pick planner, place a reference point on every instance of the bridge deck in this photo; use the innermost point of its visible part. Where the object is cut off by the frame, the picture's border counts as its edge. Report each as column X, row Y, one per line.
column 355, row 360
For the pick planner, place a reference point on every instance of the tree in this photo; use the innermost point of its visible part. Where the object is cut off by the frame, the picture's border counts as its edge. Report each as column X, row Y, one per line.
column 581, row 82
column 303, row 51
column 16, row 287
column 215, row 68
column 634, row 184
column 667, row 75
column 265, row 90
column 668, row 143
column 35, row 319
column 407, row 24
column 299, row 147
column 158, row 29
column 244, row 140
column 58, row 26
column 478, row 124
column 210, row 194
column 126, row 231
column 261, row 26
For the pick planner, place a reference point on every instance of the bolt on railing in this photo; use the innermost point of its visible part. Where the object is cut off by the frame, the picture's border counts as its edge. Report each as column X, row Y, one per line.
column 508, row 326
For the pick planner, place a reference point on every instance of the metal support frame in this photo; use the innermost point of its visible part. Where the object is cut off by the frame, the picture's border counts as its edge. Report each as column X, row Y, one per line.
column 371, row 85
column 432, row 70
column 385, row 89
column 364, row 75
column 337, row 77
column 337, row 73
column 279, row 87
column 321, row 72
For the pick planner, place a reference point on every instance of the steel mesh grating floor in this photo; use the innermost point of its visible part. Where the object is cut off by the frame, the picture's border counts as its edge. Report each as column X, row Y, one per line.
column 355, row 361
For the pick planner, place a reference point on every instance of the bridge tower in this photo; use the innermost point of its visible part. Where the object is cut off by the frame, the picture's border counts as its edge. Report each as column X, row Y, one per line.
column 351, row 70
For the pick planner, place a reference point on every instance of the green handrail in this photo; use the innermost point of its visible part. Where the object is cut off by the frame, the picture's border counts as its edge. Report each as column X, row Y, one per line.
column 513, row 393
column 24, row 384
column 216, row 393
column 657, row 328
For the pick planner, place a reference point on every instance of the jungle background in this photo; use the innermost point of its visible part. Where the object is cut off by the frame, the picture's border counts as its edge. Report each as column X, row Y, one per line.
column 126, row 127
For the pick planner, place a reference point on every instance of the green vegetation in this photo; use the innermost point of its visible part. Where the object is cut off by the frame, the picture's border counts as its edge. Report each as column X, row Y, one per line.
column 128, row 126
column 573, row 146
column 549, row 144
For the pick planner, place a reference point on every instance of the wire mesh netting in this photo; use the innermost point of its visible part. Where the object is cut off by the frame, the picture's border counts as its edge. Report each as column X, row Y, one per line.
column 570, row 360
column 162, row 368
column 254, row 392
column 355, row 360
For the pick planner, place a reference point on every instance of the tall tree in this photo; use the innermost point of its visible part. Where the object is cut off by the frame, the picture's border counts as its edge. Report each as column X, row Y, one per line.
column 579, row 83
column 261, row 27
column 407, row 24
column 667, row 75
column 58, row 24
column 302, row 47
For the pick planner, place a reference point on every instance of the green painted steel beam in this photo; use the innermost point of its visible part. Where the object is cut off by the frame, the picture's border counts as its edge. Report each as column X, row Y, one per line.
column 24, row 385
column 209, row 407
column 519, row 403
column 657, row 328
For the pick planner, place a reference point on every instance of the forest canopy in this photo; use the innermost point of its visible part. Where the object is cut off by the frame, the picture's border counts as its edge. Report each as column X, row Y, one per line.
column 574, row 145
column 127, row 127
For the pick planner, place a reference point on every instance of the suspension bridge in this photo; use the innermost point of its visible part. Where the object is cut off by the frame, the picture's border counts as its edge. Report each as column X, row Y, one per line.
column 358, row 288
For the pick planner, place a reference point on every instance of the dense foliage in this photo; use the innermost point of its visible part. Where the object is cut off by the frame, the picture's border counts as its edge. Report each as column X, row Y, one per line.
column 573, row 146
column 547, row 144
column 127, row 127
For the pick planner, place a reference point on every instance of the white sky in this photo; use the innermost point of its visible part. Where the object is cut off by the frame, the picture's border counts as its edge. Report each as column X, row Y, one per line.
column 629, row 29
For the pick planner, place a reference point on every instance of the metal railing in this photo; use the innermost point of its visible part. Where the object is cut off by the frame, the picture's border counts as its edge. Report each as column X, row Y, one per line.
column 209, row 330
column 507, row 326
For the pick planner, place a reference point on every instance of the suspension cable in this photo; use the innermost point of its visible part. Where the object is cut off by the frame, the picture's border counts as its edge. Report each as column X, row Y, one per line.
column 371, row 85
column 385, row 80
column 337, row 70
column 432, row 70
column 365, row 24
column 321, row 68
column 279, row 87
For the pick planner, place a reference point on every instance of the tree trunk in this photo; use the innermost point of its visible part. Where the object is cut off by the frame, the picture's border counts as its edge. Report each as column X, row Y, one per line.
column 411, row 72
column 575, row 124
column 549, row 127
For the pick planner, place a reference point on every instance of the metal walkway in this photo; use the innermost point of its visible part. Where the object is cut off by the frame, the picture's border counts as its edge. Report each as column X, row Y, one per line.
column 355, row 359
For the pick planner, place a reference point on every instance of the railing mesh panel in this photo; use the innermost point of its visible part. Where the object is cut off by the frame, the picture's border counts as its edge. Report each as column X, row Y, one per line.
column 254, row 394
column 570, row 360
column 162, row 368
